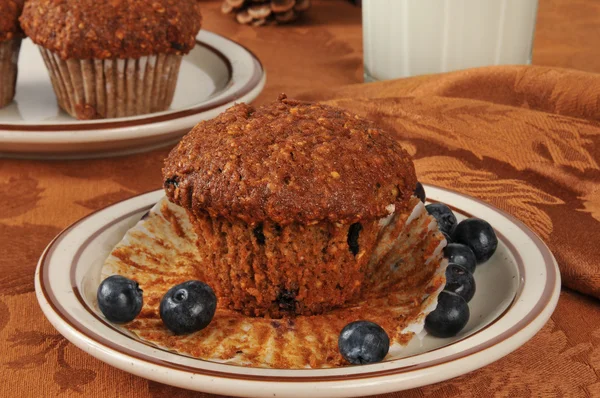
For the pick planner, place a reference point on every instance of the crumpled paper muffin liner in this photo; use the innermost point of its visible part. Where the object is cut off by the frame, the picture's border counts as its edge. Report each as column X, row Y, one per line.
column 401, row 289
column 9, row 57
column 113, row 88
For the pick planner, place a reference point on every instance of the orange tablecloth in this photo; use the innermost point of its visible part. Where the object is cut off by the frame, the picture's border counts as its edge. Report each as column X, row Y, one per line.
column 535, row 132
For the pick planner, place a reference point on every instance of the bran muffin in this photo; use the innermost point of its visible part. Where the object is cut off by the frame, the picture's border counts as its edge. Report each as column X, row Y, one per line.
column 10, row 45
column 289, row 202
column 112, row 58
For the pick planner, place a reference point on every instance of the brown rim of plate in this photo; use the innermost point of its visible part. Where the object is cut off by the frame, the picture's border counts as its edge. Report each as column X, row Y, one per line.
column 102, row 341
column 257, row 75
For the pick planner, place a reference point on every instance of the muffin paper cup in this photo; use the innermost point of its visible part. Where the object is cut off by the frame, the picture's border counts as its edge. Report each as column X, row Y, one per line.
column 9, row 56
column 405, row 279
column 112, row 88
column 266, row 280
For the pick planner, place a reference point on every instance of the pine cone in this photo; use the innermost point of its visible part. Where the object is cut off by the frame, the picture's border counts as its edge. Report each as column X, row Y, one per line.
column 265, row 12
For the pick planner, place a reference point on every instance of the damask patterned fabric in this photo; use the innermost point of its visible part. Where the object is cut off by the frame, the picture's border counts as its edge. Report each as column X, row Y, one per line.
column 526, row 139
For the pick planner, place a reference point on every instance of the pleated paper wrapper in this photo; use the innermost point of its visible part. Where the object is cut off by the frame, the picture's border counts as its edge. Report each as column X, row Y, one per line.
column 403, row 281
column 113, row 88
column 9, row 57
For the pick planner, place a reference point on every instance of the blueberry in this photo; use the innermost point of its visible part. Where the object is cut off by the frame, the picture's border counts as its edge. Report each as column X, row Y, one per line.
column 479, row 236
column 188, row 307
column 460, row 281
column 460, row 254
column 172, row 181
column 449, row 317
column 444, row 216
column 363, row 342
column 287, row 299
column 448, row 238
column 353, row 233
column 120, row 299
column 259, row 234
column 420, row 192
column 176, row 46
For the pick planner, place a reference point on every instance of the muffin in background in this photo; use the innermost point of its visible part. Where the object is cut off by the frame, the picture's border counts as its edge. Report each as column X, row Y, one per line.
column 110, row 59
column 10, row 45
column 293, row 203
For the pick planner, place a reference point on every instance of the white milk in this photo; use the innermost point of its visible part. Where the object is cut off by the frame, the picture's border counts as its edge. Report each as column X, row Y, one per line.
column 414, row 37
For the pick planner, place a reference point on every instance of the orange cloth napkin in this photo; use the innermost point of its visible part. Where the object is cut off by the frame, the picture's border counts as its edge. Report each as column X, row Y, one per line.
column 526, row 139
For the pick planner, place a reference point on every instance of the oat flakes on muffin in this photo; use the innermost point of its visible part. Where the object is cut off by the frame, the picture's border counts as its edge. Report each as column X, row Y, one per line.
column 10, row 45
column 291, row 202
column 112, row 58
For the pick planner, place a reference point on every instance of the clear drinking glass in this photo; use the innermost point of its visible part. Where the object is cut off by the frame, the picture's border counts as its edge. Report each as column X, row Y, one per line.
column 414, row 37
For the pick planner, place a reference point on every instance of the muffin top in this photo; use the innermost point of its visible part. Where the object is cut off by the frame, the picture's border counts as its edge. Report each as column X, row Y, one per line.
column 289, row 161
column 9, row 19
column 86, row 29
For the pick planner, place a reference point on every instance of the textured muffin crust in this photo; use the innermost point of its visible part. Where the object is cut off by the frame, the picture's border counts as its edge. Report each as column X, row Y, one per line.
column 286, row 162
column 85, row 29
column 9, row 19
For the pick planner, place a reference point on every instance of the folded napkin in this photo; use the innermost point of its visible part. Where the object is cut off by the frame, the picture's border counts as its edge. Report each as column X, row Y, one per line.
column 524, row 138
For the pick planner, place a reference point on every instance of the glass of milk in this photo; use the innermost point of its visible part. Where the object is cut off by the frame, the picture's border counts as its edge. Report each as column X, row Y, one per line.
column 414, row 37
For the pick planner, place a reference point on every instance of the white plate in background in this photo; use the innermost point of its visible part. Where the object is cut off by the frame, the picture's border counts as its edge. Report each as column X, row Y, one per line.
column 214, row 75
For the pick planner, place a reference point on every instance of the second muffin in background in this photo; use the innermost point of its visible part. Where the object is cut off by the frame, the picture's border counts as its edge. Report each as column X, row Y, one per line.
column 112, row 59
column 10, row 46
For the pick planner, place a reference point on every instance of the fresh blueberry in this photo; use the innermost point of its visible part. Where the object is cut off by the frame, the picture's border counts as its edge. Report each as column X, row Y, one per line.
column 363, row 342
column 449, row 317
column 460, row 281
column 460, row 254
column 120, row 299
column 420, row 192
column 448, row 238
column 188, row 307
column 479, row 236
column 444, row 216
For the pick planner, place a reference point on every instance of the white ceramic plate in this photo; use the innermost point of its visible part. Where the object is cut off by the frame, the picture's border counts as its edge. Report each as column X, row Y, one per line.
column 517, row 291
column 215, row 74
